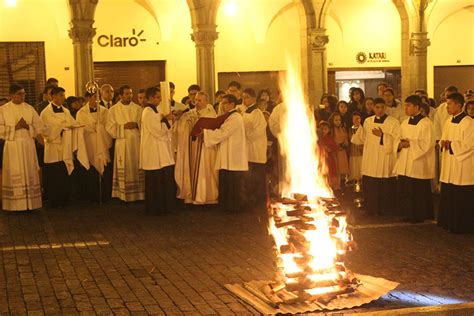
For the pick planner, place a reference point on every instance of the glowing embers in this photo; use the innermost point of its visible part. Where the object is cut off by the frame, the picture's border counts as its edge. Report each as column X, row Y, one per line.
column 311, row 241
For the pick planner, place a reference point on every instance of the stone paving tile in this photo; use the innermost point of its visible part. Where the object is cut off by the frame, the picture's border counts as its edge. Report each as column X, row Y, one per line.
column 112, row 259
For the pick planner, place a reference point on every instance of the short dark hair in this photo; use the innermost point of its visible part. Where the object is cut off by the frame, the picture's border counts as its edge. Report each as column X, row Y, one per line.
column 390, row 90
column 382, row 84
column 47, row 88
column 142, row 90
column 150, row 92
column 172, row 86
column 426, row 108
column 123, row 88
column 14, row 88
column 451, row 89
column 356, row 113
column 235, row 84
column 194, row 87
column 250, row 92
column 414, row 99
column 379, row 101
column 70, row 100
column 219, row 93
column 231, row 98
column 51, row 80
column 88, row 94
column 456, row 97
column 3, row 100
column 57, row 90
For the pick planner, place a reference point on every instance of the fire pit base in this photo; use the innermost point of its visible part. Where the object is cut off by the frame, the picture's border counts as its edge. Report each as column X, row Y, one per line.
column 371, row 288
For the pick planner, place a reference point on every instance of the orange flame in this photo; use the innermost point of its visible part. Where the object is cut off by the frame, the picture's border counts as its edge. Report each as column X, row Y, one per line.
column 298, row 142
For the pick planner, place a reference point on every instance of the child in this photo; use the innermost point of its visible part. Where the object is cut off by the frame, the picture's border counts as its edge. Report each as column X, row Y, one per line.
column 355, row 151
column 341, row 139
column 327, row 150
column 470, row 108
column 343, row 110
column 368, row 109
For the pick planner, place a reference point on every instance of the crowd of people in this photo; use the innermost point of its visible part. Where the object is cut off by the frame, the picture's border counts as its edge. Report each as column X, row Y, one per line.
column 103, row 145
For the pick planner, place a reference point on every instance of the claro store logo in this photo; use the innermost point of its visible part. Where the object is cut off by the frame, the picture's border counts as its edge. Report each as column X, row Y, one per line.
column 121, row 41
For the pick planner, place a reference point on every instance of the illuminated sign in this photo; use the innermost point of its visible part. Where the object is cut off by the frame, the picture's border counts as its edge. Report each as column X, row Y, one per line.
column 120, row 41
column 363, row 58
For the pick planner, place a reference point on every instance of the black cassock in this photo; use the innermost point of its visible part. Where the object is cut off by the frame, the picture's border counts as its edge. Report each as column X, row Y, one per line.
column 230, row 188
column 457, row 208
column 160, row 191
column 415, row 198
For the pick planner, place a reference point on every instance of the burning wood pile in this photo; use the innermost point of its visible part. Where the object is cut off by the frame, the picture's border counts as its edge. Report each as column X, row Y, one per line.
column 311, row 242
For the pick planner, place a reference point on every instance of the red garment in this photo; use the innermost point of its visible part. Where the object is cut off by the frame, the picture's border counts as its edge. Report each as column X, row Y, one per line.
column 327, row 151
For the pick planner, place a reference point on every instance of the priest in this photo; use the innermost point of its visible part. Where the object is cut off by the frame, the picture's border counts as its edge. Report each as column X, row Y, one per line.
column 195, row 171
column 415, row 165
column 379, row 136
column 98, row 142
column 123, row 124
column 256, row 139
column 457, row 165
column 157, row 155
column 19, row 125
column 58, row 123
column 231, row 160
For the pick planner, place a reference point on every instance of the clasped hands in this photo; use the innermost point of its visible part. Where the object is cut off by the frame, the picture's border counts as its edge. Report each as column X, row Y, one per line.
column 404, row 143
column 22, row 125
column 445, row 144
column 131, row 125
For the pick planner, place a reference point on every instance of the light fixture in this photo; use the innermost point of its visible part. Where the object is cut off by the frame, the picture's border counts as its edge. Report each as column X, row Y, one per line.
column 231, row 8
column 10, row 3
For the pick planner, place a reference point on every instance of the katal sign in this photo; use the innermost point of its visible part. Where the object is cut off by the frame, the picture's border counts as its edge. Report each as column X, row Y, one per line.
column 372, row 57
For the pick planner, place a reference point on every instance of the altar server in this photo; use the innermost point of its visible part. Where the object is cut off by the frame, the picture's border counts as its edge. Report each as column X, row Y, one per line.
column 57, row 120
column 19, row 125
column 123, row 124
column 231, row 158
column 415, row 164
column 256, row 140
column 457, row 166
column 157, row 155
column 98, row 142
column 378, row 135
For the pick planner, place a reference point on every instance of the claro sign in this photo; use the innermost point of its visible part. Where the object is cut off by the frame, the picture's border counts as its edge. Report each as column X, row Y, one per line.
column 121, row 41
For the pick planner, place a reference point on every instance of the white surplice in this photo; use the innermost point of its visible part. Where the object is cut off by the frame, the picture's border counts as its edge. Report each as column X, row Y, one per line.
column 457, row 165
column 63, row 136
column 96, row 138
column 440, row 118
column 255, row 134
column 379, row 154
column 232, row 151
column 197, row 176
column 398, row 112
column 418, row 160
column 128, row 180
column 155, row 142
column 21, row 187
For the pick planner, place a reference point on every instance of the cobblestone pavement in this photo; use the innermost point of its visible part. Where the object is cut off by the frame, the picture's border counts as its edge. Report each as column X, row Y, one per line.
column 113, row 259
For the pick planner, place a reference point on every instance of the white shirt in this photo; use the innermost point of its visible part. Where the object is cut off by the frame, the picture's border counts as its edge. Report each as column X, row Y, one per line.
column 255, row 134
column 155, row 142
column 232, row 152
column 379, row 154
column 457, row 165
column 418, row 160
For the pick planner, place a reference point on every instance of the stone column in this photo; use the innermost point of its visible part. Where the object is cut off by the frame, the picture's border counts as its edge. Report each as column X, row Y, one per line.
column 418, row 61
column 204, row 37
column 317, row 65
column 82, row 33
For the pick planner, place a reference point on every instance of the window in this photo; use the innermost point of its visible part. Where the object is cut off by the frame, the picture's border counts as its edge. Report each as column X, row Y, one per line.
column 23, row 63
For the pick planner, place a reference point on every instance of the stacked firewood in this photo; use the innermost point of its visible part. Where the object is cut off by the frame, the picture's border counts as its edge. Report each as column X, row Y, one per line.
column 293, row 219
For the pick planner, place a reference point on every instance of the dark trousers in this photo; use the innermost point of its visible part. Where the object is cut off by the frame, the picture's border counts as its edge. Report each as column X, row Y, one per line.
column 230, row 188
column 415, row 199
column 456, row 210
column 160, row 191
column 256, row 186
column 58, row 183
column 380, row 195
